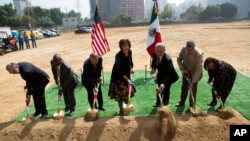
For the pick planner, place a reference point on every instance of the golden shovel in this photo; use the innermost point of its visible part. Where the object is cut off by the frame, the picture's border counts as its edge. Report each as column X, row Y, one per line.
column 60, row 113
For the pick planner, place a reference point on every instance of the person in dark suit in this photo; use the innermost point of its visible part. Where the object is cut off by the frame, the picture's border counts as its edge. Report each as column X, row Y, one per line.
column 67, row 80
column 92, row 69
column 36, row 81
column 166, row 75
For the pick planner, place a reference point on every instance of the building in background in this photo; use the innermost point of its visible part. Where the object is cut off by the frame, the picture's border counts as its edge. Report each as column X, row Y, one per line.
column 70, row 22
column 20, row 5
column 110, row 9
column 243, row 6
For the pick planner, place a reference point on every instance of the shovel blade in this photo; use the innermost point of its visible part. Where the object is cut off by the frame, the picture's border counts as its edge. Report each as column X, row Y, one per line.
column 195, row 110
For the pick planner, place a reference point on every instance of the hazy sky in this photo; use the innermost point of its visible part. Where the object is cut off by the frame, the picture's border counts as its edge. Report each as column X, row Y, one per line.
column 66, row 5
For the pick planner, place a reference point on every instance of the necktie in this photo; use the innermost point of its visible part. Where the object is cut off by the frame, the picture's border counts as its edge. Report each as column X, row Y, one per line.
column 158, row 61
column 58, row 76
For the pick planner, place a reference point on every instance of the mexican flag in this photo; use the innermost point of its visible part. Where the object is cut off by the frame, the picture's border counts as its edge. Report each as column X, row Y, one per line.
column 154, row 35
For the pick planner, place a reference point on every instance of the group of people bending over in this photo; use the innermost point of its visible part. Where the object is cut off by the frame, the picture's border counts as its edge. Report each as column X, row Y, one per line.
column 190, row 61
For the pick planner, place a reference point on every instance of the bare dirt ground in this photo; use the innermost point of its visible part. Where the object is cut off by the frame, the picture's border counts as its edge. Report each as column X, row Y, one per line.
column 226, row 41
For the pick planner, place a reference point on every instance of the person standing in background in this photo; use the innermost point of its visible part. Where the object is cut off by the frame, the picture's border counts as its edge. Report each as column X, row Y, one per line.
column 20, row 41
column 33, row 39
column 26, row 40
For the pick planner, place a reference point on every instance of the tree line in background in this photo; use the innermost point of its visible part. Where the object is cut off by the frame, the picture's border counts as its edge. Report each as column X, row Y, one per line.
column 40, row 17
column 36, row 16
column 224, row 11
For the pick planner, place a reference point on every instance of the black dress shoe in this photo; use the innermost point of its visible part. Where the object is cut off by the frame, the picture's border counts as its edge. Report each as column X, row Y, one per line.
column 212, row 103
column 35, row 114
column 178, row 104
column 71, row 113
column 44, row 116
column 66, row 109
column 102, row 109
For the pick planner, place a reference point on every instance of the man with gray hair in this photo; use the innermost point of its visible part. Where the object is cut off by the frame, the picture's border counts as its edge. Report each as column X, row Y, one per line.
column 166, row 75
column 190, row 61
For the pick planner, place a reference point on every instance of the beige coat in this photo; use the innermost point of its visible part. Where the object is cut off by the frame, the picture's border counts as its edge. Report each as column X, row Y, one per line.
column 191, row 62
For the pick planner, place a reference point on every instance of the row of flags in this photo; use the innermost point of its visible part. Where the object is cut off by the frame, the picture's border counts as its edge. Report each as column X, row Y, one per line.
column 99, row 41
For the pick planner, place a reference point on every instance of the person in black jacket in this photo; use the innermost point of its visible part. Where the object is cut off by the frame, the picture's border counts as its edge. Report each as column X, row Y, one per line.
column 166, row 73
column 223, row 75
column 36, row 81
column 121, row 75
column 92, row 68
column 67, row 80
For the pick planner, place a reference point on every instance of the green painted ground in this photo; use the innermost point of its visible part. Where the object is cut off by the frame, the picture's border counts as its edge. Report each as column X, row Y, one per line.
column 239, row 98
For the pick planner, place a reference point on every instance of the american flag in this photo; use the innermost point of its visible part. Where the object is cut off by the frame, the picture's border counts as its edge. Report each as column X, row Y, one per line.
column 99, row 42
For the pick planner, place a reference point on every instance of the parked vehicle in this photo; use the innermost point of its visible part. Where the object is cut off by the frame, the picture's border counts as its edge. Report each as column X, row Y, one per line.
column 56, row 31
column 81, row 30
column 15, row 33
column 7, row 43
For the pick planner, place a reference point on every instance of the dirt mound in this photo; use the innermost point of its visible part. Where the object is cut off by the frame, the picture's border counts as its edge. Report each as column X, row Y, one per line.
column 203, row 128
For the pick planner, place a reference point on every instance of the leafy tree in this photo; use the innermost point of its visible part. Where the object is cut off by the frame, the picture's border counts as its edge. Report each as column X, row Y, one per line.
column 28, row 19
column 56, row 16
column 166, row 13
column 228, row 10
column 192, row 13
column 45, row 22
column 123, row 18
column 210, row 12
column 8, row 16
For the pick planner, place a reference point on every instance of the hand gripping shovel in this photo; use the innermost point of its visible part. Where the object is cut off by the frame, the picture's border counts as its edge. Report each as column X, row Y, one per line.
column 219, row 98
column 127, row 108
column 194, row 109
column 60, row 113
column 157, row 91
column 92, row 114
column 27, row 101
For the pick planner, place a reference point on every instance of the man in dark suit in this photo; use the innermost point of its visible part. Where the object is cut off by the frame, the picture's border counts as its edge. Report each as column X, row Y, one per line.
column 92, row 68
column 36, row 81
column 166, row 73
column 67, row 80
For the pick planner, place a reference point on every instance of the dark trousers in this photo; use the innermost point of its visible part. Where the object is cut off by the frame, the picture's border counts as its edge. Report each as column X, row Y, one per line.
column 69, row 97
column 33, row 43
column 165, row 94
column 91, row 97
column 21, row 46
column 185, row 90
column 27, row 44
column 39, row 97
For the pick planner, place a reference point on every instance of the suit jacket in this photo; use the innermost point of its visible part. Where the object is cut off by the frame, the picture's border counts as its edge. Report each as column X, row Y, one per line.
column 68, row 78
column 91, row 73
column 192, row 63
column 166, row 71
column 32, row 75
